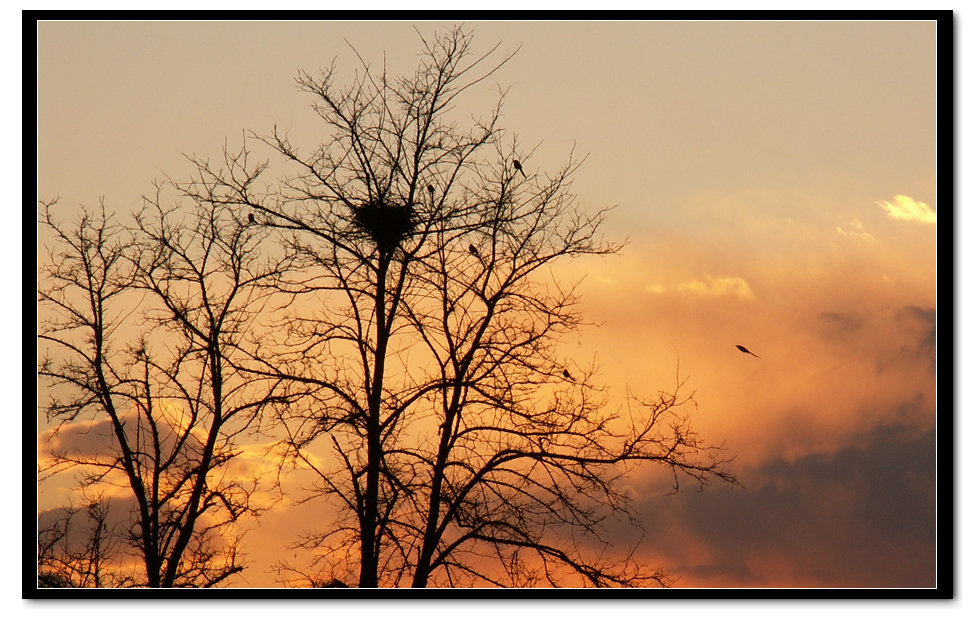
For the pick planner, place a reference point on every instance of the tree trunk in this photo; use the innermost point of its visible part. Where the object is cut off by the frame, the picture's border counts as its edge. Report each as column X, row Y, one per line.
column 369, row 546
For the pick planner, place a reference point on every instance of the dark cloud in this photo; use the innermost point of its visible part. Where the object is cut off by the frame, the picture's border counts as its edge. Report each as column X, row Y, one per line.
column 96, row 438
column 80, row 439
column 924, row 315
column 913, row 327
column 836, row 323
column 926, row 320
column 863, row 516
column 80, row 525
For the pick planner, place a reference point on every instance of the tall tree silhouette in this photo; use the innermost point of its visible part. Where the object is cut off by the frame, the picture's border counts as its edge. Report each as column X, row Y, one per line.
column 423, row 388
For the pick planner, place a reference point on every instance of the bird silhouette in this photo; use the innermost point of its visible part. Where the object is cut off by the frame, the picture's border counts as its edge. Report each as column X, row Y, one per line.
column 430, row 189
column 473, row 250
column 250, row 218
column 517, row 165
column 745, row 350
column 567, row 375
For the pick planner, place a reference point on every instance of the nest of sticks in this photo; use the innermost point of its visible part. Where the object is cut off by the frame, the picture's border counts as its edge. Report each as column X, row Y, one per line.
column 387, row 225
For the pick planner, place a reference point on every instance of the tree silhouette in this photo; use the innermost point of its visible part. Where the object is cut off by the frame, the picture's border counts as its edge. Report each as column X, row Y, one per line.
column 436, row 415
column 141, row 329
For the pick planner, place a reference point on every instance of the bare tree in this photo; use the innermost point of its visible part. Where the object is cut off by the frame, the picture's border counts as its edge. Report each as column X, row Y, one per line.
column 140, row 327
column 454, row 441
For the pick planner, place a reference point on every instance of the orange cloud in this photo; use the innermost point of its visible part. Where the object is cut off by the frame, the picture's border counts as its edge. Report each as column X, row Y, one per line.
column 719, row 287
column 857, row 232
column 908, row 209
column 711, row 287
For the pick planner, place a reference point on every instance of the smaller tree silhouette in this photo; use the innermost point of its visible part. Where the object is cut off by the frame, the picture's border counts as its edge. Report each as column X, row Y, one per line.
column 138, row 330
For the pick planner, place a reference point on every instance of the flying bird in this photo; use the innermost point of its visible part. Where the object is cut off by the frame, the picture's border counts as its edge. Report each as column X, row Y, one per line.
column 567, row 375
column 473, row 250
column 250, row 218
column 745, row 350
column 517, row 165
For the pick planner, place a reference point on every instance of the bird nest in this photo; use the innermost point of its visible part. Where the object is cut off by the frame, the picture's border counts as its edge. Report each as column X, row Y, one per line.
column 386, row 224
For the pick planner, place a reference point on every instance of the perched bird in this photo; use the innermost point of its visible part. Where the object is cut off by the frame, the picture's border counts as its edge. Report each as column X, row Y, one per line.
column 473, row 250
column 745, row 350
column 430, row 189
column 567, row 375
column 250, row 218
column 517, row 165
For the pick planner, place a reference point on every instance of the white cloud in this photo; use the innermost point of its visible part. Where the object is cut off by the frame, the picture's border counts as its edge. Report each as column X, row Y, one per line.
column 908, row 209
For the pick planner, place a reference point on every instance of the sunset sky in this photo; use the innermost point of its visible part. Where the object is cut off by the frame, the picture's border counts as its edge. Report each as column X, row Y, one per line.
column 775, row 184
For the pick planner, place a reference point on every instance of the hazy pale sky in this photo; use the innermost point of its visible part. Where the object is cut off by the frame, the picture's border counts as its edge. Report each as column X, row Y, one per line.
column 776, row 183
